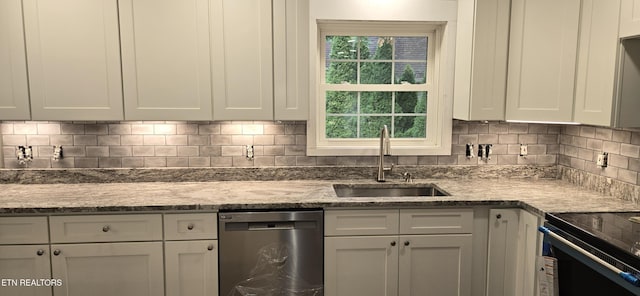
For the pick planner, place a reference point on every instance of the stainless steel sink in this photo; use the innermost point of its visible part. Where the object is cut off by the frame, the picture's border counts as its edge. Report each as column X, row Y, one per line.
column 387, row 190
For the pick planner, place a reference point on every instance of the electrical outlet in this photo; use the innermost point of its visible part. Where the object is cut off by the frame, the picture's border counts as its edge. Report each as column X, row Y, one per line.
column 602, row 159
column 524, row 150
column 249, row 149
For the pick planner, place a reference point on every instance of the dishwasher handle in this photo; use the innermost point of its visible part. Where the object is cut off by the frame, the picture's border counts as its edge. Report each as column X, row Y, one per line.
column 270, row 225
column 280, row 225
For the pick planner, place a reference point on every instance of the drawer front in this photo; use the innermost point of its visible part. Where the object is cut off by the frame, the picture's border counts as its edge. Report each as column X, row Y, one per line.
column 436, row 221
column 190, row 226
column 106, row 228
column 361, row 222
column 23, row 230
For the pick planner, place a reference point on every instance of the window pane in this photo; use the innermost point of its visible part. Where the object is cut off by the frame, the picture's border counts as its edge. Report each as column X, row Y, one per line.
column 380, row 48
column 375, row 60
column 411, row 102
column 370, row 126
column 375, row 73
column 342, row 102
column 410, row 126
column 411, row 48
column 342, row 72
column 375, row 102
column 341, row 126
column 411, row 73
column 340, row 48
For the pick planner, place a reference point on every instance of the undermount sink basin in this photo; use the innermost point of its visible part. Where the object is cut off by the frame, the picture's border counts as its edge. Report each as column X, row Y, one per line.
column 387, row 190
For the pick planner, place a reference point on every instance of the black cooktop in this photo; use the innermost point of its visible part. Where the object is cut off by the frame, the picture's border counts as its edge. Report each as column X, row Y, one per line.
column 614, row 233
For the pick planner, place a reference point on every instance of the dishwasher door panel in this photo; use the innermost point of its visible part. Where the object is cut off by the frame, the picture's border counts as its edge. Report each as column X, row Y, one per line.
column 271, row 253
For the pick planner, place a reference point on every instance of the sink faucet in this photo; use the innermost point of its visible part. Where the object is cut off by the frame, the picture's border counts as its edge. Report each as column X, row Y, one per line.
column 385, row 149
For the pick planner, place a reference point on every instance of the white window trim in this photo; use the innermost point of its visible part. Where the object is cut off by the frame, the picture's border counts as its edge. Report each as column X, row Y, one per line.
column 439, row 71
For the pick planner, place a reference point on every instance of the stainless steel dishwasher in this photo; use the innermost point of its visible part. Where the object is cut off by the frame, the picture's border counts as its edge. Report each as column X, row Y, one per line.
column 275, row 253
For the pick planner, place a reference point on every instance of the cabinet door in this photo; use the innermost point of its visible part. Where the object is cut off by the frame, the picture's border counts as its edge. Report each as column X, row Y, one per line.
column 630, row 18
column 629, row 85
column 107, row 269
column 482, row 42
column 503, row 251
column 14, row 92
column 73, row 54
column 435, row 265
column 191, row 268
column 24, row 262
column 529, row 247
column 242, row 60
column 291, row 59
column 166, row 59
column 542, row 60
column 361, row 266
column 595, row 80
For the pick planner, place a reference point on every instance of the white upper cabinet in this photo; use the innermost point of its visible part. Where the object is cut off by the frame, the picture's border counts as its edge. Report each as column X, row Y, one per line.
column 626, row 111
column 542, row 60
column 242, row 60
column 14, row 91
column 73, row 54
column 482, row 42
column 166, row 63
column 596, row 71
column 260, row 59
column 291, row 59
column 630, row 18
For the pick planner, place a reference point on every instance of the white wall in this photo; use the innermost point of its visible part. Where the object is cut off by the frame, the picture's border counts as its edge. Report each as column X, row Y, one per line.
column 383, row 10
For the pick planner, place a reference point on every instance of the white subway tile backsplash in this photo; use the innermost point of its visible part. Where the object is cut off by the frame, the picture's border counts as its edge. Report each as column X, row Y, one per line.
column 84, row 140
column 164, row 129
column 109, row 140
column 131, row 140
column 153, row 140
column 142, row 129
column 622, row 136
column 133, row 144
column 186, row 151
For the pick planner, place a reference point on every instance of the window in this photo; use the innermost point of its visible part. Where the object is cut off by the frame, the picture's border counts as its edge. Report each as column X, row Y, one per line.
column 372, row 74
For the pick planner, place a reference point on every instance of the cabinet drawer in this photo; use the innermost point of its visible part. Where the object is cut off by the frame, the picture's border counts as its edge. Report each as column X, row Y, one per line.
column 190, row 226
column 436, row 221
column 23, row 230
column 361, row 222
column 105, row 228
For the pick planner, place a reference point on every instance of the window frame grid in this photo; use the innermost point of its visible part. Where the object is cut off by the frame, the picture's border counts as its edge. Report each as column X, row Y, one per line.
column 436, row 86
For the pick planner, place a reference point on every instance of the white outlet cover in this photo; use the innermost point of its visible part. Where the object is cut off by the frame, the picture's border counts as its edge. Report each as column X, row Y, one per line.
column 523, row 150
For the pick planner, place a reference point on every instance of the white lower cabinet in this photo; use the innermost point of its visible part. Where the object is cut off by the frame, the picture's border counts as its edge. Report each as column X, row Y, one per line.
column 24, row 255
column 191, row 268
column 514, row 243
column 123, row 269
column 435, row 265
column 107, row 254
column 401, row 264
column 366, row 265
column 24, row 262
column 191, row 254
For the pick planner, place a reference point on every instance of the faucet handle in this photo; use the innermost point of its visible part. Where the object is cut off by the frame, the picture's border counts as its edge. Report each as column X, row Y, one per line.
column 407, row 177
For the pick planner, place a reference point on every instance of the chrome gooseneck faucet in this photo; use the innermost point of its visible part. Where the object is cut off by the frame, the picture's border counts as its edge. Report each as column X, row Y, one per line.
column 385, row 149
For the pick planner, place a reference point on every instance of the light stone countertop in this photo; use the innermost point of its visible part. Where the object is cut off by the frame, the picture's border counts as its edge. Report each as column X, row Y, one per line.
column 536, row 195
